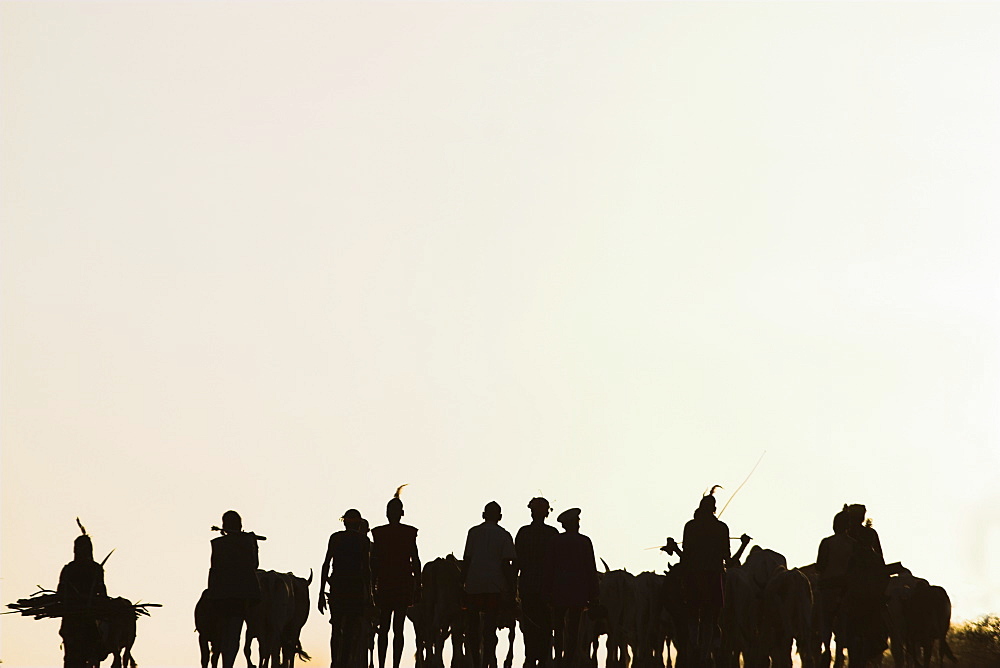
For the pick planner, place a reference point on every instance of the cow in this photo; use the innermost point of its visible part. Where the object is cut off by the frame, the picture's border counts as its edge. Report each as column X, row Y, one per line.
column 787, row 612
column 618, row 599
column 898, row 593
column 439, row 613
column 650, row 619
column 117, row 633
column 291, row 644
column 206, row 623
column 277, row 619
column 743, row 606
column 928, row 617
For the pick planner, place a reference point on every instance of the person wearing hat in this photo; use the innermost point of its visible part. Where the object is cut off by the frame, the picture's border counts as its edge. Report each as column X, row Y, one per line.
column 488, row 577
column 347, row 568
column 532, row 547
column 232, row 582
column 396, row 574
column 572, row 585
column 80, row 582
column 703, row 561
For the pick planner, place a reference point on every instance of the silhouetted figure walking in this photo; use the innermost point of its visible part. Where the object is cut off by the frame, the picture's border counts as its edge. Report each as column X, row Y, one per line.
column 706, row 551
column 347, row 568
column 865, row 596
column 532, row 546
column 232, row 582
column 572, row 580
column 81, row 581
column 396, row 571
column 833, row 564
column 488, row 574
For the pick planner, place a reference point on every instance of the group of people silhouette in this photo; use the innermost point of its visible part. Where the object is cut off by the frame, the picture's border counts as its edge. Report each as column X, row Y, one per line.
column 549, row 576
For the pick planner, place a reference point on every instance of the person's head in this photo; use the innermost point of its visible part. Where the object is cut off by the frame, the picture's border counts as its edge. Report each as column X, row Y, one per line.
column 352, row 520
column 856, row 512
column 491, row 513
column 232, row 522
column 394, row 510
column 841, row 522
column 83, row 548
column 570, row 520
column 539, row 509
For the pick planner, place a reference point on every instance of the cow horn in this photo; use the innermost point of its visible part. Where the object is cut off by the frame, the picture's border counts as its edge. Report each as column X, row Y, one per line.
column 606, row 569
column 310, row 580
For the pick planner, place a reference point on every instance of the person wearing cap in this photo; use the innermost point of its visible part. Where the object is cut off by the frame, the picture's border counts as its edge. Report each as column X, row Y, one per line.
column 347, row 568
column 572, row 585
column 488, row 577
column 532, row 547
column 80, row 582
column 396, row 574
column 703, row 561
column 232, row 582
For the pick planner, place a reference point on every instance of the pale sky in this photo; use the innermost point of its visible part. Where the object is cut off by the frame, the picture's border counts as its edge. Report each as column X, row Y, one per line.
column 284, row 257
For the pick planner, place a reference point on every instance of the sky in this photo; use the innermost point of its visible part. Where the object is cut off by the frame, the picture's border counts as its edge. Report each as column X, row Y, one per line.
column 282, row 257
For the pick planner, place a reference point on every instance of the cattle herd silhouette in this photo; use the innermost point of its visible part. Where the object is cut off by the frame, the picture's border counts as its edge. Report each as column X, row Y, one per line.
column 713, row 609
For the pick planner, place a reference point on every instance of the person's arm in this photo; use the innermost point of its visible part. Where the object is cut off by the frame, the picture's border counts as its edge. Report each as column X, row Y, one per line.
column 327, row 564
column 415, row 567
column 823, row 556
column 466, row 554
column 509, row 558
column 366, row 566
column 99, row 587
column 593, row 584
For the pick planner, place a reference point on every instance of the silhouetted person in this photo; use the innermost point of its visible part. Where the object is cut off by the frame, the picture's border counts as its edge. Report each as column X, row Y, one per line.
column 706, row 551
column 532, row 546
column 347, row 568
column 232, row 582
column 833, row 565
column 488, row 574
column 396, row 572
column 865, row 596
column 81, row 581
column 572, row 581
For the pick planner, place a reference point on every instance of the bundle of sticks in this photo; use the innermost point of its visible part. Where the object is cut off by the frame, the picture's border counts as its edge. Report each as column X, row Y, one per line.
column 46, row 604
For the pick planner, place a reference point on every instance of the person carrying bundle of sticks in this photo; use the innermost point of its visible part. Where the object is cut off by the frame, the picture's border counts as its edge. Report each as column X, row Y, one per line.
column 81, row 582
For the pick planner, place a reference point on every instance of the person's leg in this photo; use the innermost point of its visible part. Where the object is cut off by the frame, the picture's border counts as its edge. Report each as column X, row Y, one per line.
column 490, row 638
column 384, row 615
column 559, row 626
column 398, row 626
column 334, row 639
column 231, row 627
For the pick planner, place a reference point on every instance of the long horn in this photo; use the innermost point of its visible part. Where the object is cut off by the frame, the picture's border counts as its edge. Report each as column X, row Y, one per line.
column 107, row 557
column 606, row 569
column 310, row 580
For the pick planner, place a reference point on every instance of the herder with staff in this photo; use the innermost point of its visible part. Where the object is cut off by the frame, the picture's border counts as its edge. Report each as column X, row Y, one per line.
column 703, row 561
column 232, row 582
column 81, row 582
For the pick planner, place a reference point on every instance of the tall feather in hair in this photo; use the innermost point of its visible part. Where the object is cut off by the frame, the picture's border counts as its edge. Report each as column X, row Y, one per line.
column 83, row 530
column 399, row 489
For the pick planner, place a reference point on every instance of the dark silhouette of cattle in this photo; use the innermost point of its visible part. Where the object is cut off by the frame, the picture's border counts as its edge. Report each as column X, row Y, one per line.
column 206, row 623
column 117, row 633
column 277, row 619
